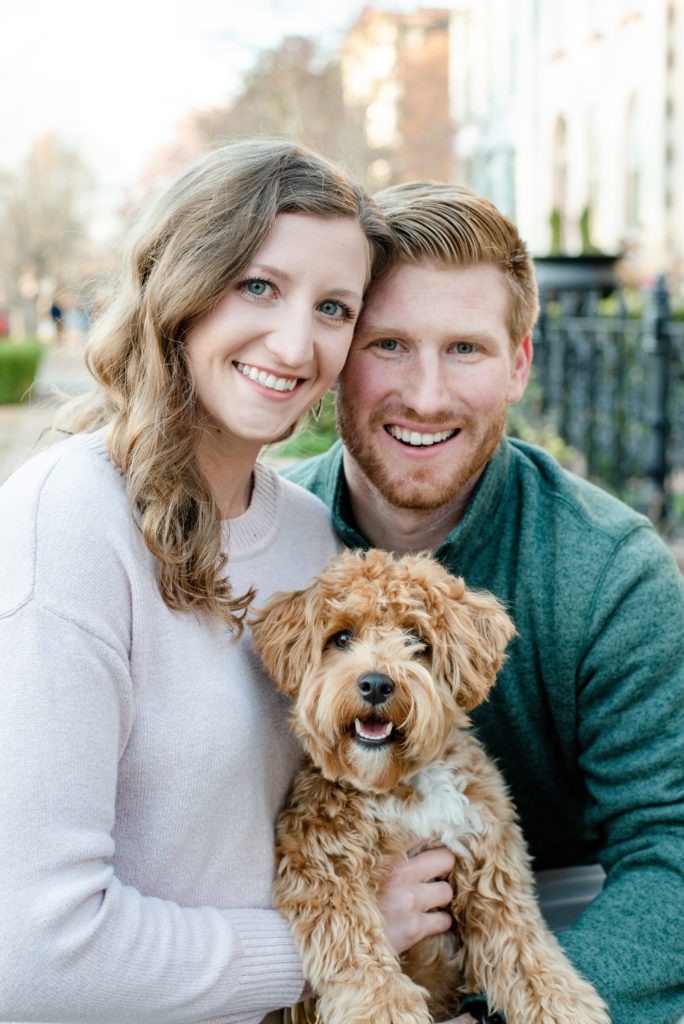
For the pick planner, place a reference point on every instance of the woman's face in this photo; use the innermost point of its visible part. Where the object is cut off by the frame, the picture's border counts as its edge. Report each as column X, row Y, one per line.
column 276, row 341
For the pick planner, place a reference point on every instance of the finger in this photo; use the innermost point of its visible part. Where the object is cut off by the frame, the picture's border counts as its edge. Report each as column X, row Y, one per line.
column 434, row 863
column 434, row 923
column 434, row 895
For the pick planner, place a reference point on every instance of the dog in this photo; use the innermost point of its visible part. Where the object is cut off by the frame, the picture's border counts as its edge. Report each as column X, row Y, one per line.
column 382, row 659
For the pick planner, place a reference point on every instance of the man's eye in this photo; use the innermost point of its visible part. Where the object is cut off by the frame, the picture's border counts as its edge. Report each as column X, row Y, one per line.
column 464, row 348
column 388, row 344
column 342, row 639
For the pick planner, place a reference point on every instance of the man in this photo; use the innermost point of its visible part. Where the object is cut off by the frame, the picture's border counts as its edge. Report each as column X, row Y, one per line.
column 586, row 719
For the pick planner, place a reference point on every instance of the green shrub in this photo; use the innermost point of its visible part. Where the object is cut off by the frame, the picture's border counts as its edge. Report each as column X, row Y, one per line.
column 526, row 421
column 19, row 362
column 312, row 437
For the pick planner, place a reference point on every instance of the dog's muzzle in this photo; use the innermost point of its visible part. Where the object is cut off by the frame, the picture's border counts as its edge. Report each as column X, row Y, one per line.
column 375, row 688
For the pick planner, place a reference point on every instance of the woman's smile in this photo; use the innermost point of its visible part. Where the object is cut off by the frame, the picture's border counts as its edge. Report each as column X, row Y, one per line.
column 266, row 379
column 278, row 338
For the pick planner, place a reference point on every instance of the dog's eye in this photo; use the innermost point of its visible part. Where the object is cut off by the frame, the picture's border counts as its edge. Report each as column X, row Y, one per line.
column 342, row 639
column 421, row 648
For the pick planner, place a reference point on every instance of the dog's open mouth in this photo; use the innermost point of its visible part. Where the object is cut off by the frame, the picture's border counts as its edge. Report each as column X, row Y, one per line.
column 373, row 732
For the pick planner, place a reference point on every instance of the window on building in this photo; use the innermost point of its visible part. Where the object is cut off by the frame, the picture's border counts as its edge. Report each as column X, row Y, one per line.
column 633, row 165
column 559, row 187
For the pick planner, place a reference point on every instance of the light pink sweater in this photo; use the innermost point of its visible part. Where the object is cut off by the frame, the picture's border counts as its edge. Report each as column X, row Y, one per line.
column 143, row 759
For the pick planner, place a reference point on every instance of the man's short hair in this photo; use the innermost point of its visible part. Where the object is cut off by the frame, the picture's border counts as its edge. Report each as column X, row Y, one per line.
column 451, row 226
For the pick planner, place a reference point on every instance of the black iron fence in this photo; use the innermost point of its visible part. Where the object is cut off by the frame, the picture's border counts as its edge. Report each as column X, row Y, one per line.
column 611, row 384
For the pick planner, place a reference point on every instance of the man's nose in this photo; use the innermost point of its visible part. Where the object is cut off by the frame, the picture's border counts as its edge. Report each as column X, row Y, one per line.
column 427, row 391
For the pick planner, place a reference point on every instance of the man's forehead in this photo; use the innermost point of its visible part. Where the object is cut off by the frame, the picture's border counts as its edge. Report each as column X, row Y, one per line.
column 407, row 282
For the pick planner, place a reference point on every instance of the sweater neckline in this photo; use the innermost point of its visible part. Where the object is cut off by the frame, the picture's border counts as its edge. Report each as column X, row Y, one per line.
column 250, row 533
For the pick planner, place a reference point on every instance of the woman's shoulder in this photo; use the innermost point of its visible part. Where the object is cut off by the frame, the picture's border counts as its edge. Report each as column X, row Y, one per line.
column 65, row 471
column 65, row 511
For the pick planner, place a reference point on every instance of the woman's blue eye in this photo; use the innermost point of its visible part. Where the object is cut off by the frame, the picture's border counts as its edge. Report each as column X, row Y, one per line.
column 389, row 344
column 257, row 287
column 336, row 310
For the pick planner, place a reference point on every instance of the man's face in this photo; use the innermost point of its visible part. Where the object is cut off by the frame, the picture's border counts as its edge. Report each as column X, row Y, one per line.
column 423, row 396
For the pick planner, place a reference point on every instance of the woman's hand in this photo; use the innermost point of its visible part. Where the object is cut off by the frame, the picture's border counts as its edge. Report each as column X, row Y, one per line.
column 412, row 898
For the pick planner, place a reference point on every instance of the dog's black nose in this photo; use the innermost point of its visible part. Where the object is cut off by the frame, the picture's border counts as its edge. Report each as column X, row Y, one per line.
column 375, row 688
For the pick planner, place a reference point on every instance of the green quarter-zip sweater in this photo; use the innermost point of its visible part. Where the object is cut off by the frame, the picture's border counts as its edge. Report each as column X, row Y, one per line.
column 587, row 717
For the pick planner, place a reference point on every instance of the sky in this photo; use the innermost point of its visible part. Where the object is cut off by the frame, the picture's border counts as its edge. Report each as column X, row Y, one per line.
column 114, row 78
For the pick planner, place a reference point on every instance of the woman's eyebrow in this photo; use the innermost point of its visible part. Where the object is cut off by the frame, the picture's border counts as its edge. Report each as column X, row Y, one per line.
column 284, row 275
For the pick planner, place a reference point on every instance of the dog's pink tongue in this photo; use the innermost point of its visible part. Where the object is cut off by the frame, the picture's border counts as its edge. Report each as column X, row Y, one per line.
column 373, row 729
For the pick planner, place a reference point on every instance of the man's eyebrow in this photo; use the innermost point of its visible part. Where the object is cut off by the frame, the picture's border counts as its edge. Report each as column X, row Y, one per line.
column 391, row 331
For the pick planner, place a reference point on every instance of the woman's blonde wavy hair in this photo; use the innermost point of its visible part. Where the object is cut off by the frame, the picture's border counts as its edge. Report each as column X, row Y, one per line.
column 191, row 246
column 452, row 226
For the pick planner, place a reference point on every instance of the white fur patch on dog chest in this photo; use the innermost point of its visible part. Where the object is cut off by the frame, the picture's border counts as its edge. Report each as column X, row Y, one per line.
column 440, row 813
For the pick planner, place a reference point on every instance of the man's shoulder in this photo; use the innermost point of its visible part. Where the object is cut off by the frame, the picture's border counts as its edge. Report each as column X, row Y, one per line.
column 576, row 533
column 559, row 493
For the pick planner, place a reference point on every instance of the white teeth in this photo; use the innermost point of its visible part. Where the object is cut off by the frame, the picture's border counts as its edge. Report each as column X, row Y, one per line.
column 375, row 734
column 269, row 380
column 418, row 440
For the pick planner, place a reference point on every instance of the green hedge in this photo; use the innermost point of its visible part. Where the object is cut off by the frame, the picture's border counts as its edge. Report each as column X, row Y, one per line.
column 19, row 362
column 312, row 436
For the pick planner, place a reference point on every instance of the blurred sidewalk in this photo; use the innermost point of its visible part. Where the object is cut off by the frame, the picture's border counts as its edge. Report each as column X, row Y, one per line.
column 21, row 425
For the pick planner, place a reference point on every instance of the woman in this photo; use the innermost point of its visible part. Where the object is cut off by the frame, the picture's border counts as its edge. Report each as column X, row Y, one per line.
column 143, row 754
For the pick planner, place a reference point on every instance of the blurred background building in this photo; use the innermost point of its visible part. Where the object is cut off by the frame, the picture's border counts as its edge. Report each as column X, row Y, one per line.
column 568, row 115
column 395, row 69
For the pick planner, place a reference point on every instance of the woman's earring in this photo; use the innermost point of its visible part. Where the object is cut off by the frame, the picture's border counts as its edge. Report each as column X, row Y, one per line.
column 316, row 410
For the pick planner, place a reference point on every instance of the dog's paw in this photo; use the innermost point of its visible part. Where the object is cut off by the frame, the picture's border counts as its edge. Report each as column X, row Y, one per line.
column 579, row 1005
column 392, row 1000
column 585, row 1011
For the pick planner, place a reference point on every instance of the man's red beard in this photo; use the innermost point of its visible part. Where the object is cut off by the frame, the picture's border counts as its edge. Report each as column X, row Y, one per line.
column 425, row 487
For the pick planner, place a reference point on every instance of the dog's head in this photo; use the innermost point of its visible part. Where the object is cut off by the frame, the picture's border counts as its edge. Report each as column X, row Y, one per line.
column 383, row 658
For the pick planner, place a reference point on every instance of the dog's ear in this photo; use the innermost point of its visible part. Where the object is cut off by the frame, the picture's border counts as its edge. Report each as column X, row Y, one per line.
column 282, row 637
column 475, row 630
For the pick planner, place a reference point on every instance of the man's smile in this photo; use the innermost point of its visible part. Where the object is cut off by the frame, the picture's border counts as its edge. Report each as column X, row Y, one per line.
column 417, row 439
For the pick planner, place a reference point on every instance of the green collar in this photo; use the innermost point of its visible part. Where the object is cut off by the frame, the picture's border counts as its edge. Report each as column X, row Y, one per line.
column 476, row 522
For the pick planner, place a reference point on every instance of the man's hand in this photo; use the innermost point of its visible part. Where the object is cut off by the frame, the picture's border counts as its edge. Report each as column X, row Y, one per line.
column 413, row 896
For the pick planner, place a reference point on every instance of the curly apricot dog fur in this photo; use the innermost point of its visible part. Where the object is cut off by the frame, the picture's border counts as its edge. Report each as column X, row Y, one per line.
column 383, row 658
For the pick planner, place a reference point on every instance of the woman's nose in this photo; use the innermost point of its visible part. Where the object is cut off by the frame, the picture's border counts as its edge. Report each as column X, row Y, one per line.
column 291, row 340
